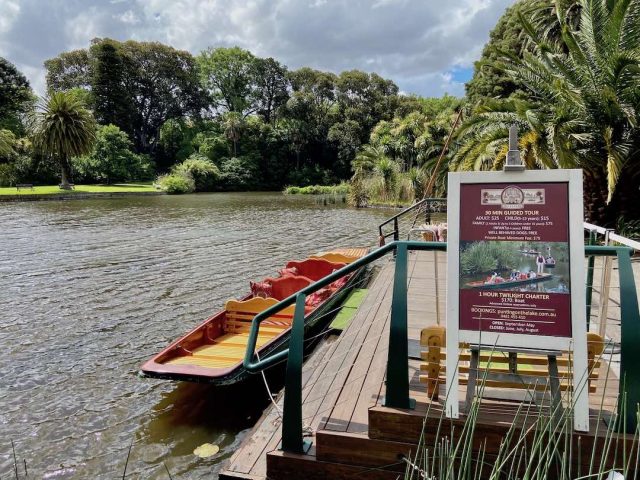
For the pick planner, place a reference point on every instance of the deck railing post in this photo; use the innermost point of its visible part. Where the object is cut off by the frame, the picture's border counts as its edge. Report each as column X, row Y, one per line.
column 590, row 266
column 397, row 392
column 605, row 284
column 630, row 333
column 292, row 439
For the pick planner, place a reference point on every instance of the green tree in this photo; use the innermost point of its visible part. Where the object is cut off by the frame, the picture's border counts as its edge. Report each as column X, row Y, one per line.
column 204, row 173
column 271, row 88
column 112, row 159
column 229, row 76
column 507, row 36
column 15, row 96
column 62, row 127
column 160, row 83
column 69, row 70
column 346, row 137
column 112, row 104
column 7, row 142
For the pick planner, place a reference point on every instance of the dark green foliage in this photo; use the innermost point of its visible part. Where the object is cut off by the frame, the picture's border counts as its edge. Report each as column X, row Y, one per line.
column 112, row 159
column 481, row 257
column 112, row 104
column 507, row 36
column 239, row 173
column 303, row 126
column 15, row 97
column 271, row 88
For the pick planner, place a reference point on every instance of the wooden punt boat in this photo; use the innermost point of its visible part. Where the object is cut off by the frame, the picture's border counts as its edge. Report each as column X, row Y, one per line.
column 213, row 351
column 510, row 283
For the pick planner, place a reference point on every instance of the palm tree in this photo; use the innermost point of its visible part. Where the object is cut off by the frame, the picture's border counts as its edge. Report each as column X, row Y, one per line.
column 62, row 127
column 584, row 108
column 233, row 125
column 366, row 160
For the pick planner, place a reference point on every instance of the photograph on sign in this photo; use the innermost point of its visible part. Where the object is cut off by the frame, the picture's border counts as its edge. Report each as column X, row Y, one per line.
column 514, row 259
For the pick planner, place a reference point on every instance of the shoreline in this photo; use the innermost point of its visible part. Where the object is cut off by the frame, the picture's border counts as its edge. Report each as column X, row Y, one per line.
column 38, row 197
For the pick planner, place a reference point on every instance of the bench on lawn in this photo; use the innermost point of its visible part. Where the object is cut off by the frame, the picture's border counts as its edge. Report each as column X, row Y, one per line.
column 70, row 185
column 24, row 186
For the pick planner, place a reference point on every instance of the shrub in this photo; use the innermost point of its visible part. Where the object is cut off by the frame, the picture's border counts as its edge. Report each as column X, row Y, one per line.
column 239, row 173
column 112, row 159
column 204, row 173
column 342, row 189
column 7, row 175
column 176, row 183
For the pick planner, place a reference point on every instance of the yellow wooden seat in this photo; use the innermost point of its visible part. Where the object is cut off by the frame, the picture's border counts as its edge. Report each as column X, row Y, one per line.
column 239, row 315
column 433, row 341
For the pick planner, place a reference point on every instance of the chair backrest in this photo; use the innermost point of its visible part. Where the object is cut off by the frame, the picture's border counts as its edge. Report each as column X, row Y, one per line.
column 282, row 287
column 336, row 257
column 314, row 268
column 239, row 315
column 429, row 236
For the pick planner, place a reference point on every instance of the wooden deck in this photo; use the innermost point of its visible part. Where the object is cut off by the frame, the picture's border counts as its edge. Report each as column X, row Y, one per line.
column 352, row 433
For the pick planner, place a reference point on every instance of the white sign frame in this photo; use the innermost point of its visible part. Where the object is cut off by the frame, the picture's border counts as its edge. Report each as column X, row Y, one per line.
column 578, row 342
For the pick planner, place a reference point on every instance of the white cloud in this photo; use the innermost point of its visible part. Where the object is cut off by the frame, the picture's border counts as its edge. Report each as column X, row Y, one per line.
column 9, row 10
column 128, row 17
column 412, row 42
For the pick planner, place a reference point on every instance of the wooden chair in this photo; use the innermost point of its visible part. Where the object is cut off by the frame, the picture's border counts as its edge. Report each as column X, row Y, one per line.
column 528, row 367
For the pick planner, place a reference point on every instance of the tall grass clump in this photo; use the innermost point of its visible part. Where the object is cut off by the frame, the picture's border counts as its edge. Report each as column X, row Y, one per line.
column 540, row 444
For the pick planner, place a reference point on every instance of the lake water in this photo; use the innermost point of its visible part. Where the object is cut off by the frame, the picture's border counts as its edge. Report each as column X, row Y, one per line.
column 90, row 289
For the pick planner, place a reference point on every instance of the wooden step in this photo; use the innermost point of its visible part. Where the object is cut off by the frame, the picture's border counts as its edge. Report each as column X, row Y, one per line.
column 286, row 466
column 358, row 449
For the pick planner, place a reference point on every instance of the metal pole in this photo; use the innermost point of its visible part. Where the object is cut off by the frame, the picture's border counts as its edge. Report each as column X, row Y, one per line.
column 292, row 440
column 630, row 333
column 397, row 394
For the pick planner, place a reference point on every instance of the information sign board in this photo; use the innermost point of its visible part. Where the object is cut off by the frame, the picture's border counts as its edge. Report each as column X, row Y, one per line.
column 516, row 268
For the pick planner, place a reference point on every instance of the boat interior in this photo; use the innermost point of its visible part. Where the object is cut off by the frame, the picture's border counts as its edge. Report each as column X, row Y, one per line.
column 218, row 345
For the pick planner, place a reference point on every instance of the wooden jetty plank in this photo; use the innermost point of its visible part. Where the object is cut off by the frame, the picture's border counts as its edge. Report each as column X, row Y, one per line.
column 340, row 416
column 252, row 450
column 314, row 389
column 327, row 391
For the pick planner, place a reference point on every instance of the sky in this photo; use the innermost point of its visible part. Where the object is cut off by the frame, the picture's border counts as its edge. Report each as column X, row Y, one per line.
column 427, row 47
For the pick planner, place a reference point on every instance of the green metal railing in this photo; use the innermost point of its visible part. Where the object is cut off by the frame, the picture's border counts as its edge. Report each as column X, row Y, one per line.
column 427, row 203
column 397, row 383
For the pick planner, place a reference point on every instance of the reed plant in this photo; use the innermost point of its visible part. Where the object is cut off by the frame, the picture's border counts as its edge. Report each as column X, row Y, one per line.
column 539, row 445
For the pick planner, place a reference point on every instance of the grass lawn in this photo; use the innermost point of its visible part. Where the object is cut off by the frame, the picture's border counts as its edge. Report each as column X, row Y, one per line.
column 54, row 189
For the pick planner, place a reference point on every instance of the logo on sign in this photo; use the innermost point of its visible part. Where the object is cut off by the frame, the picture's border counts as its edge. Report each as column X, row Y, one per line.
column 512, row 197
